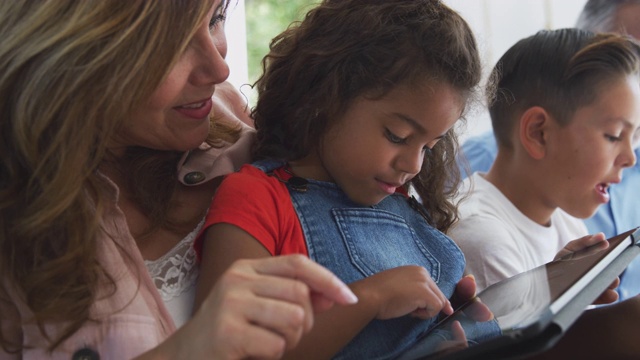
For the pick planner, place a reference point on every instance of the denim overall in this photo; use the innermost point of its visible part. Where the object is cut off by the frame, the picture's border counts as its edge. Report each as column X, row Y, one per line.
column 355, row 242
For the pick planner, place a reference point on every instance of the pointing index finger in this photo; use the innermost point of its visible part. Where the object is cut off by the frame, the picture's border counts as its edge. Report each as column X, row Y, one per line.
column 317, row 278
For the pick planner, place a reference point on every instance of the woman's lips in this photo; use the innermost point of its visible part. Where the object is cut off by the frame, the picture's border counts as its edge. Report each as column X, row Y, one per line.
column 196, row 110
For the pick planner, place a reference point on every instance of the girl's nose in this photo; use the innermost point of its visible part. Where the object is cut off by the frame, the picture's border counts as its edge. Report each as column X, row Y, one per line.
column 410, row 161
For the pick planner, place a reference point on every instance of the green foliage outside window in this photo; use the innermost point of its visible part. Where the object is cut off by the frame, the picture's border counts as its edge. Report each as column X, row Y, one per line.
column 265, row 20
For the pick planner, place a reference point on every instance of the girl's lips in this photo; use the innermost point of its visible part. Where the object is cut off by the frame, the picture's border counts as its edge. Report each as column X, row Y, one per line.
column 197, row 110
column 386, row 187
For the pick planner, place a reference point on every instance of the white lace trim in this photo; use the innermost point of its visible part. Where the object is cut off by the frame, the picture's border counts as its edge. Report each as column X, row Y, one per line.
column 176, row 271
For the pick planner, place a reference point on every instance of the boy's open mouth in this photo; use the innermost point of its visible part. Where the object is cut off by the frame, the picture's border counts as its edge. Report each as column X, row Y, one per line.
column 602, row 188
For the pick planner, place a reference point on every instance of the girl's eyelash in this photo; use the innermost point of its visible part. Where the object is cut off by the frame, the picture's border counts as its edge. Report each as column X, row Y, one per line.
column 394, row 138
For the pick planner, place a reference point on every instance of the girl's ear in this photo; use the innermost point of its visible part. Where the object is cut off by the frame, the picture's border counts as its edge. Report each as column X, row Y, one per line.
column 534, row 127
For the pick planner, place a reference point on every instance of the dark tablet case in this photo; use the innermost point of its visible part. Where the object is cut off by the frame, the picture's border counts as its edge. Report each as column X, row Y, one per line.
column 545, row 331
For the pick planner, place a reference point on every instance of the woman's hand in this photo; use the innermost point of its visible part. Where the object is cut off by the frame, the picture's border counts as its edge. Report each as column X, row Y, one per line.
column 259, row 308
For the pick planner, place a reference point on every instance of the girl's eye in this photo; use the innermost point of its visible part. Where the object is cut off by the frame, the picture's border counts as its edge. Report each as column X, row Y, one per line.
column 393, row 138
column 612, row 138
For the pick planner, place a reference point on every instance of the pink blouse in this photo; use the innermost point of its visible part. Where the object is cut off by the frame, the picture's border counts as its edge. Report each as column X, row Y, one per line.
column 134, row 319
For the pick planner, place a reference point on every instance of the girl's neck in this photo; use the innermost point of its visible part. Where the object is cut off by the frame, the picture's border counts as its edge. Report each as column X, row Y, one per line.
column 310, row 167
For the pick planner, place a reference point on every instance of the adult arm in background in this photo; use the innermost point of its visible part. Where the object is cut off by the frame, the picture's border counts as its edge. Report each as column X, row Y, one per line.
column 477, row 154
column 257, row 309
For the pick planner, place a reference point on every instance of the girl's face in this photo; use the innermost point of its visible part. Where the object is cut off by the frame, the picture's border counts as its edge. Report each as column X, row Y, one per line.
column 379, row 145
column 589, row 153
column 176, row 115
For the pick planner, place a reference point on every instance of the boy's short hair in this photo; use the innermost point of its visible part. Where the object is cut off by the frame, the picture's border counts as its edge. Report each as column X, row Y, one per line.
column 558, row 70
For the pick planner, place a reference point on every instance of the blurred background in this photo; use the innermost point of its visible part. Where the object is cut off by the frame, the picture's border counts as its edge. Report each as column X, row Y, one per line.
column 497, row 24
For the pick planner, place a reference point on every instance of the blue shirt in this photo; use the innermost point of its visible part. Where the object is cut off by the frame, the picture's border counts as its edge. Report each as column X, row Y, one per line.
column 618, row 215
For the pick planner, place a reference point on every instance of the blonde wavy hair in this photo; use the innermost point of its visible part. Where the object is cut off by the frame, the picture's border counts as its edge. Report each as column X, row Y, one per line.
column 72, row 72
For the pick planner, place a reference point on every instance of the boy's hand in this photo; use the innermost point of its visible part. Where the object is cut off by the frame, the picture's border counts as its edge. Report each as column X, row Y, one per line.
column 596, row 242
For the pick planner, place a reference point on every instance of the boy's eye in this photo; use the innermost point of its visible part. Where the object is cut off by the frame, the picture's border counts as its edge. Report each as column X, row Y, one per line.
column 612, row 138
column 393, row 138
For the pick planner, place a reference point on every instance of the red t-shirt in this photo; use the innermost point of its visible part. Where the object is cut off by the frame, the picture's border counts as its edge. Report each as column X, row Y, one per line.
column 260, row 205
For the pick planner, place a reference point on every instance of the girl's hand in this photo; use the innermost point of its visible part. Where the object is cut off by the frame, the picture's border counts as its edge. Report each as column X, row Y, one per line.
column 465, row 291
column 404, row 290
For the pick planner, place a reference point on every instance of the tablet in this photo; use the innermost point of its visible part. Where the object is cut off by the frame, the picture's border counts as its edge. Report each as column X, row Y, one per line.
column 531, row 310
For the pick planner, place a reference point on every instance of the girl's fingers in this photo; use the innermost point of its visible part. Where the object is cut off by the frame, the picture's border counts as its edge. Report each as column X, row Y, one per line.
column 457, row 332
column 433, row 303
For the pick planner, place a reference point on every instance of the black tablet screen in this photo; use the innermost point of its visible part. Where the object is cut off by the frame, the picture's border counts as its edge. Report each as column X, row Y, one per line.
column 520, row 305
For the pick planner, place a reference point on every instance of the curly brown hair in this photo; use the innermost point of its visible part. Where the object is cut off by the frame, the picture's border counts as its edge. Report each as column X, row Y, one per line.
column 343, row 49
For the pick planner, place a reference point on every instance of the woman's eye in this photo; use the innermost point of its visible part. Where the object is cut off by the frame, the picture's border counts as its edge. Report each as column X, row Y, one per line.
column 219, row 15
column 394, row 138
column 216, row 20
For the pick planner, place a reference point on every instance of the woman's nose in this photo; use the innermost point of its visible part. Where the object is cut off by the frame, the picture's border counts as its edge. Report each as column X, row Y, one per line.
column 211, row 67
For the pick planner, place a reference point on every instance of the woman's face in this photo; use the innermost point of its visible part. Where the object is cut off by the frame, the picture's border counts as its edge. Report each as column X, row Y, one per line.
column 176, row 115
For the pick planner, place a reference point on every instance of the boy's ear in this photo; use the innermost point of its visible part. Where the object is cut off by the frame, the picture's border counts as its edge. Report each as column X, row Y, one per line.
column 534, row 124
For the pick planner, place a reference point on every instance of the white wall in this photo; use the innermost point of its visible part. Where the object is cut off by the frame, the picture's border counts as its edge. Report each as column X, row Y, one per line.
column 498, row 24
column 236, row 31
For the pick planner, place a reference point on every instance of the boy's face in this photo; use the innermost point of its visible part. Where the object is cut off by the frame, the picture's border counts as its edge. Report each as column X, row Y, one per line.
column 588, row 154
column 379, row 145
